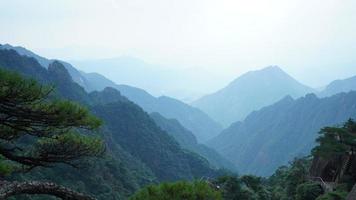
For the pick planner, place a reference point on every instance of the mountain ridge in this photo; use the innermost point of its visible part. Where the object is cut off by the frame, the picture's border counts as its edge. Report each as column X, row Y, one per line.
column 338, row 86
column 250, row 91
column 192, row 118
column 138, row 151
column 274, row 135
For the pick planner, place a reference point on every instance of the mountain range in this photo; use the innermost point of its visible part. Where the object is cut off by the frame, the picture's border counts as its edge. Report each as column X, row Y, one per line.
column 139, row 152
column 338, row 86
column 249, row 92
column 199, row 123
column 274, row 135
column 267, row 116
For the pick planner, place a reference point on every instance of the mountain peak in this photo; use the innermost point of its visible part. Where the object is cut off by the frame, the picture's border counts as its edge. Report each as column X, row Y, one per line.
column 268, row 71
column 272, row 68
column 251, row 91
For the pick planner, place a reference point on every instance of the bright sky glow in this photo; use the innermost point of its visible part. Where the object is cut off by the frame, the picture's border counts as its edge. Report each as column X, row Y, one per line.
column 313, row 40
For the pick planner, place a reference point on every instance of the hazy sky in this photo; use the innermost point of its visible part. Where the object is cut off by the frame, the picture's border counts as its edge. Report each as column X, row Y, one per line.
column 313, row 40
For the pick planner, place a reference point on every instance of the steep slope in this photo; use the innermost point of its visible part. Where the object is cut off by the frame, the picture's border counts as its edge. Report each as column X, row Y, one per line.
column 138, row 152
column 136, row 132
column 193, row 119
column 117, row 175
column 188, row 141
column 97, row 81
column 338, row 86
column 274, row 135
column 44, row 62
column 250, row 92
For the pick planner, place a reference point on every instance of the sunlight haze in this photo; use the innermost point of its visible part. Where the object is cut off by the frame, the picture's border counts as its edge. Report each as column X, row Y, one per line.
column 209, row 42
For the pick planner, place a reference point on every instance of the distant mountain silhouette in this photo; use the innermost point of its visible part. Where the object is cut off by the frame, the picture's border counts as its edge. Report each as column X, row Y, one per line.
column 155, row 79
column 199, row 123
column 193, row 119
column 339, row 86
column 250, row 92
column 274, row 135
column 77, row 76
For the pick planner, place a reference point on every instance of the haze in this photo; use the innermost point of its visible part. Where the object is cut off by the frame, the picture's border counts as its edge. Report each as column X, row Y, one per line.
column 210, row 42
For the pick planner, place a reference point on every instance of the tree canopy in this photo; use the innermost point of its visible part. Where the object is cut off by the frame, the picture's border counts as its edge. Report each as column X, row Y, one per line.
column 335, row 141
column 39, row 130
column 179, row 190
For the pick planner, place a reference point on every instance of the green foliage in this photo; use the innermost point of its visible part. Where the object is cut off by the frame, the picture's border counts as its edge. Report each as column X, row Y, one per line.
column 231, row 187
column 117, row 170
column 136, row 132
column 284, row 182
column 247, row 187
column 37, row 131
column 139, row 152
column 336, row 195
column 335, row 141
column 187, row 140
column 197, row 190
column 252, row 182
column 308, row 191
column 291, row 182
column 5, row 167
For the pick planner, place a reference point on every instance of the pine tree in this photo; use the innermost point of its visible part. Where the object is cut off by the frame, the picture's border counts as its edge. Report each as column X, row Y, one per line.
column 336, row 141
column 38, row 130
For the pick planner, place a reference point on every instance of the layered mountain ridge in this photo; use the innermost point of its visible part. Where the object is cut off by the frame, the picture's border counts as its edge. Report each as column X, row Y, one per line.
column 249, row 92
column 138, row 151
column 274, row 135
column 202, row 126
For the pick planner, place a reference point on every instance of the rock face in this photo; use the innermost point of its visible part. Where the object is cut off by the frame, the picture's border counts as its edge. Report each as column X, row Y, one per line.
column 9, row 189
column 332, row 169
column 352, row 194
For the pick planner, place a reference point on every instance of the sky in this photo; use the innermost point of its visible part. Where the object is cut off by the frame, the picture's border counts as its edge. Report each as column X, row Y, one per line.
column 313, row 40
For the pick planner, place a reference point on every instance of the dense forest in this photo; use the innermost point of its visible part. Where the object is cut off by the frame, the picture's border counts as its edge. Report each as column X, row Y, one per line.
column 327, row 174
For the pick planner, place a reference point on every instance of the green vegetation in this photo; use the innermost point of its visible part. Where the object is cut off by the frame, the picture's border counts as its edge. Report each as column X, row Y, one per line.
column 284, row 182
column 337, row 195
column 308, row 191
column 37, row 131
column 179, row 190
column 291, row 182
column 138, row 151
column 137, row 133
column 246, row 187
column 187, row 140
column 336, row 141
column 42, row 138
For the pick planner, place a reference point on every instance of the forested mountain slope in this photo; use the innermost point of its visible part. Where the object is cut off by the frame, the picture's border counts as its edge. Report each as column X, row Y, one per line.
column 188, row 141
column 138, row 151
column 274, row 135
column 76, row 75
column 193, row 119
